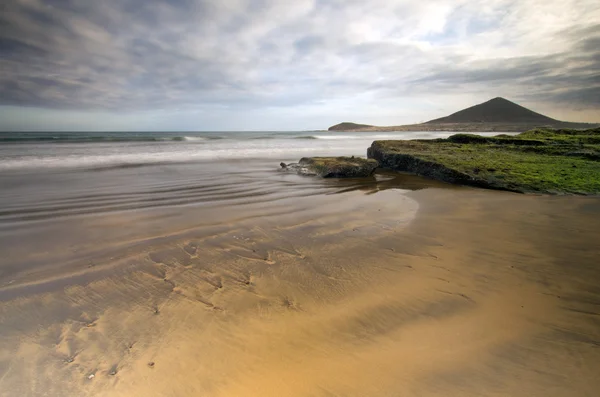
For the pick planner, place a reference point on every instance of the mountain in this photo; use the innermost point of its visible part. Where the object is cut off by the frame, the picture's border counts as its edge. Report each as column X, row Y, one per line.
column 497, row 114
column 497, row 110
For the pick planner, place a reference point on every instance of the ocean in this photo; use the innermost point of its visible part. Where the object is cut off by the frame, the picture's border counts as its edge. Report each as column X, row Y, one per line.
column 44, row 151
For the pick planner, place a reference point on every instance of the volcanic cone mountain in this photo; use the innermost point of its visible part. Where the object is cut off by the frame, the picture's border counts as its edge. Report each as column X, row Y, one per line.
column 497, row 114
column 497, row 110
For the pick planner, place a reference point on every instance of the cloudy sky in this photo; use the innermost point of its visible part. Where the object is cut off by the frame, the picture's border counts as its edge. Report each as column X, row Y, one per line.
column 290, row 64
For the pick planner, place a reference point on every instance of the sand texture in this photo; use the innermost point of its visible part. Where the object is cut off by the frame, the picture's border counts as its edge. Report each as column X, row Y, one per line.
column 437, row 292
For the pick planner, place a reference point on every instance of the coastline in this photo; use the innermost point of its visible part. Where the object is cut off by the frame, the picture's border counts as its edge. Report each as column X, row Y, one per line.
column 464, row 127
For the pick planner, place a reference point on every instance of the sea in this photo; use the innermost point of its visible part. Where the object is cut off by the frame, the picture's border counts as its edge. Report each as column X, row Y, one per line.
column 25, row 152
column 66, row 196
column 47, row 175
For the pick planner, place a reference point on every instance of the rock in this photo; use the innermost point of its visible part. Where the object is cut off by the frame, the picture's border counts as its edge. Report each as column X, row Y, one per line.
column 536, row 161
column 298, row 168
column 333, row 167
column 410, row 162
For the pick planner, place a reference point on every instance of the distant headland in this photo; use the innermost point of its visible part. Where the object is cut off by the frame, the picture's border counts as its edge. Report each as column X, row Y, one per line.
column 497, row 114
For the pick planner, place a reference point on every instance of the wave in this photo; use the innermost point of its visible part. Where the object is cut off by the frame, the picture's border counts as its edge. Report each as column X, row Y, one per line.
column 100, row 139
column 344, row 137
column 336, row 137
column 189, row 138
column 352, row 137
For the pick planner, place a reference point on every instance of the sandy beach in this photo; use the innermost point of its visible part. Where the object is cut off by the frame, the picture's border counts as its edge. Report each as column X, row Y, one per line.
column 308, row 198
column 355, row 288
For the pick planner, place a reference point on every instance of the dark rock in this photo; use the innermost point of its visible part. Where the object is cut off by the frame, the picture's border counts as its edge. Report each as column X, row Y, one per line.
column 333, row 167
column 298, row 168
column 536, row 165
column 414, row 164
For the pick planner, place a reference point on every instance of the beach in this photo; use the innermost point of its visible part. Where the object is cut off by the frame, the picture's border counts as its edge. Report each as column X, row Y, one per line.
column 187, row 265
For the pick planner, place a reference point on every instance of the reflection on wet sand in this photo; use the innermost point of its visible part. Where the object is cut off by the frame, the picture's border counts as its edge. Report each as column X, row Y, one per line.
column 435, row 292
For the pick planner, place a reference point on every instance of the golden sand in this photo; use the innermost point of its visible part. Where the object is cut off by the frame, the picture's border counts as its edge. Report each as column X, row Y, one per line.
column 441, row 292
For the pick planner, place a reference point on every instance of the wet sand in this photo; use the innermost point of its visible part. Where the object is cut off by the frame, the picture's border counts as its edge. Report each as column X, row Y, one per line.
column 361, row 290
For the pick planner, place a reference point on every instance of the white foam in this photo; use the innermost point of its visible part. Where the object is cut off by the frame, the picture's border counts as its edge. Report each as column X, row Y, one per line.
column 193, row 138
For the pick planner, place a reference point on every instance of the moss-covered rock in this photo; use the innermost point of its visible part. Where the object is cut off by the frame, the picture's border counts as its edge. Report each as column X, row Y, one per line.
column 541, row 160
column 333, row 167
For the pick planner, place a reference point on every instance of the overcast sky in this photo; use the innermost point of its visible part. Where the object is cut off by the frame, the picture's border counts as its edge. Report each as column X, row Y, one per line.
column 290, row 64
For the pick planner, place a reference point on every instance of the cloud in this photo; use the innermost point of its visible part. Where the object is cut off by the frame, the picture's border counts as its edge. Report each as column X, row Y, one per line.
column 133, row 56
column 571, row 77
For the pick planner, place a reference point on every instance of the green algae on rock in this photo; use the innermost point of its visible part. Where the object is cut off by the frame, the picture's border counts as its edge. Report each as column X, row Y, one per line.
column 333, row 167
column 536, row 161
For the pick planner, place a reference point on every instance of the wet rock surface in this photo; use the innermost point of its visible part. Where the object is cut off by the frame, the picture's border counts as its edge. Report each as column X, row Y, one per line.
column 537, row 161
column 332, row 167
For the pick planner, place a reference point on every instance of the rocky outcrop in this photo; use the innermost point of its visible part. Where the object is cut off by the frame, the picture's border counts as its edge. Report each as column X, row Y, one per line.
column 410, row 163
column 563, row 161
column 332, row 167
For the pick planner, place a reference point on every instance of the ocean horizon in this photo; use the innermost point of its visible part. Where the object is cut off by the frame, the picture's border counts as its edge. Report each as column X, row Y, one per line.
column 54, row 150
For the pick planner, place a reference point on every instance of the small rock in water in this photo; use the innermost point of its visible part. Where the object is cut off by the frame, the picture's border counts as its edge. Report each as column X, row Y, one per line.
column 333, row 167
column 283, row 165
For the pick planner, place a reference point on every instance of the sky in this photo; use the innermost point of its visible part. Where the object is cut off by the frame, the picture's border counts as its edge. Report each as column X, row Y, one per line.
column 290, row 64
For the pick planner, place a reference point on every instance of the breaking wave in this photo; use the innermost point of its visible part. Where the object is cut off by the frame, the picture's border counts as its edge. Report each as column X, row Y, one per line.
column 24, row 138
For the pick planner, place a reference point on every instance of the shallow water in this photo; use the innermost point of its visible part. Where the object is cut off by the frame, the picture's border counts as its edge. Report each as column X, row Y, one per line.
column 57, row 188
